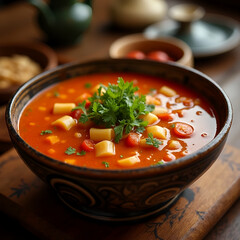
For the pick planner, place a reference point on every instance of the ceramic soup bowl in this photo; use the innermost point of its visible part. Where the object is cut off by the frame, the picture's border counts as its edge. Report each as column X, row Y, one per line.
column 121, row 195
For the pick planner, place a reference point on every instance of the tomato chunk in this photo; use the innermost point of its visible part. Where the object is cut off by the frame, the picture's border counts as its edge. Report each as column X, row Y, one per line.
column 166, row 116
column 132, row 139
column 87, row 145
column 76, row 114
column 136, row 54
column 159, row 56
column 183, row 130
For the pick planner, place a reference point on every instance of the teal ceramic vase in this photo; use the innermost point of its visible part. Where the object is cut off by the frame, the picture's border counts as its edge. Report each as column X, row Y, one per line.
column 63, row 22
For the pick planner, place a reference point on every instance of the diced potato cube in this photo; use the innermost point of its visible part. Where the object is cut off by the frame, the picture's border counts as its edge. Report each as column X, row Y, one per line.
column 98, row 134
column 167, row 91
column 128, row 162
column 159, row 110
column 153, row 100
column 63, row 108
column 65, row 122
column 52, row 139
column 105, row 148
column 150, row 118
column 174, row 144
column 157, row 131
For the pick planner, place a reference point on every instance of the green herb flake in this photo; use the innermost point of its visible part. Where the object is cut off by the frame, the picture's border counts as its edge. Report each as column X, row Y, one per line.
column 121, row 156
column 28, row 110
column 106, row 164
column 172, row 126
column 153, row 141
column 158, row 163
column 46, row 132
column 88, row 85
column 56, row 94
column 82, row 153
column 70, row 151
column 81, row 106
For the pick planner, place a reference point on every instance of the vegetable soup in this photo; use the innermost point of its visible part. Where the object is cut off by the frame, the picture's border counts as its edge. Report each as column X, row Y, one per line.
column 117, row 121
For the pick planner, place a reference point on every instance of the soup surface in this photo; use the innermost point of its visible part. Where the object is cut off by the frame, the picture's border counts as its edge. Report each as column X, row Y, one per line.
column 117, row 121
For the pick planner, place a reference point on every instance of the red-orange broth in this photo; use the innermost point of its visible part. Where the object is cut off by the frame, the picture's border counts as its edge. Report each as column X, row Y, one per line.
column 184, row 107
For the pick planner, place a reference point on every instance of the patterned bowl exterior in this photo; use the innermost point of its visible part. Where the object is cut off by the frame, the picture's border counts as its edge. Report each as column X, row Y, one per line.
column 121, row 195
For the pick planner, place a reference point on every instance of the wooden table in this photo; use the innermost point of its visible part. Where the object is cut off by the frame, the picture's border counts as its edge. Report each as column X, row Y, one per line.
column 17, row 21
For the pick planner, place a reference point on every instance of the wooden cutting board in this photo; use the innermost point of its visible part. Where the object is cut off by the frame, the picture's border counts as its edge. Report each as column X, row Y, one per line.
column 26, row 198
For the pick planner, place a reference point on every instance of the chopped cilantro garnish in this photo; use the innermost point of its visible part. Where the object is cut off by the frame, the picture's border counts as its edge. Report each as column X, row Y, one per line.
column 106, row 164
column 153, row 141
column 28, row 110
column 172, row 126
column 81, row 106
column 87, row 85
column 46, row 132
column 118, row 107
column 56, row 94
column 82, row 153
column 121, row 156
column 158, row 163
column 70, row 151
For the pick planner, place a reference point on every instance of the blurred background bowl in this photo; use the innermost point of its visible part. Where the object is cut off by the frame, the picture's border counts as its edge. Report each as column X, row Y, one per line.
column 39, row 53
column 179, row 51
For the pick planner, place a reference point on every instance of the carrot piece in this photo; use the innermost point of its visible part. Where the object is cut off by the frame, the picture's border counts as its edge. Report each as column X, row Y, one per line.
column 133, row 139
column 183, row 130
column 87, row 145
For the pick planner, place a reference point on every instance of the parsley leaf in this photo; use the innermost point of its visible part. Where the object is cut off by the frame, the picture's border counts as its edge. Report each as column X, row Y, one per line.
column 70, row 151
column 158, row 163
column 88, row 85
column 106, row 164
column 46, row 132
column 82, row 153
column 153, row 141
column 81, row 106
column 118, row 106
column 56, row 94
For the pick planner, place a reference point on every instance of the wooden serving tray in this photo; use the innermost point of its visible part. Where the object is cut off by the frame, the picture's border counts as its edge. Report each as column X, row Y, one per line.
column 26, row 198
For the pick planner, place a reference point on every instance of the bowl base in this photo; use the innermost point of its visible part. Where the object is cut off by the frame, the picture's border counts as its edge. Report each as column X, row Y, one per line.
column 118, row 218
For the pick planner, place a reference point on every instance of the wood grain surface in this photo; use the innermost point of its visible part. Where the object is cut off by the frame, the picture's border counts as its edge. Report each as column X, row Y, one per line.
column 26, row 198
